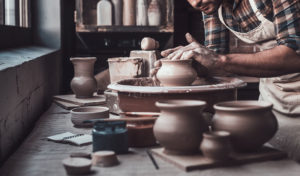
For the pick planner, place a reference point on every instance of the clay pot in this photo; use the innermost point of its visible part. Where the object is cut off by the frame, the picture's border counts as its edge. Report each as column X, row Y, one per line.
column 216, row 145
column 180, row 126
column 83, row 84
column 250, row 123
column 176, row 73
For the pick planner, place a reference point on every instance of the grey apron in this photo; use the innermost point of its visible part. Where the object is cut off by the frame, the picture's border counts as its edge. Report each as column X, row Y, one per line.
column 284, row 91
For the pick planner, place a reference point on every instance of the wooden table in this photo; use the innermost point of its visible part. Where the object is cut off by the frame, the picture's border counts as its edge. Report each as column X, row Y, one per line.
column 39, row 157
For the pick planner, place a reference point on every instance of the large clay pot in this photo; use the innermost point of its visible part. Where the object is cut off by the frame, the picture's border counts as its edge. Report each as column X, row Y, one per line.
column 84, row 83
column 176, row 73
column 250, row 123
column 180, row 126
column 216, row 145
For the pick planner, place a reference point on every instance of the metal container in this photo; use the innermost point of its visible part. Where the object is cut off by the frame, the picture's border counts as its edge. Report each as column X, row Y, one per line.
column 110, row 136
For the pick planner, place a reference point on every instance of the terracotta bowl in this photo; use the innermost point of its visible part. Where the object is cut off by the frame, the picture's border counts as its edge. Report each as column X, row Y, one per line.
column 250, row 123
column 88, row 113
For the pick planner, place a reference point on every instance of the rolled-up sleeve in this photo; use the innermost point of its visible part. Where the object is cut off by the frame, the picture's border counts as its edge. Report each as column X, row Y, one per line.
column 216, row 34
column 287, row 22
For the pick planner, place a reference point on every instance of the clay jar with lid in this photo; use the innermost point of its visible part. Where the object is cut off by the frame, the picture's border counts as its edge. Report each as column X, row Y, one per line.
column 216, row 145
column 83, row 83
column 180, row 126
column 250, row 123
column 176, row 73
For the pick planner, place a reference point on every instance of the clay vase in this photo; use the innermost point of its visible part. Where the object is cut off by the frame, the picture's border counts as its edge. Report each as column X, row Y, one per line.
column 83, row 84
column 141, row 13
column 154, row 13
column 180, row 126
column 250, row 123
column 117, row 12
column 216, row 145
column 176, row 73
column 104, row 13
column 129, row 12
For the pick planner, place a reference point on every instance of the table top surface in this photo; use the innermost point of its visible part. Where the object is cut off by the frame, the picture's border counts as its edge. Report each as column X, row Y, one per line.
column 37, row 156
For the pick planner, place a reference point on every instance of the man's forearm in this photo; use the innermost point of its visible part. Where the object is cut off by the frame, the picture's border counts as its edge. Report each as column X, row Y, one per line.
column 269, row 63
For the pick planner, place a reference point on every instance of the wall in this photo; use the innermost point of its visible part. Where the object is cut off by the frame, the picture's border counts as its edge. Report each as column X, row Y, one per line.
column 25, row 92
column 30, row 76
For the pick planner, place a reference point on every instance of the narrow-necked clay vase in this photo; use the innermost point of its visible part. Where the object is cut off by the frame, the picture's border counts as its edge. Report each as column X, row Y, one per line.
column 84, row 83
column 176, row 73
column 216, row 145
column 180, row 126
column 250, row 123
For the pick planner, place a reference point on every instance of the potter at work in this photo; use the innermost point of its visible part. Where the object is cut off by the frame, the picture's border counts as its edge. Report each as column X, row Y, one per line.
column 272, row 25
column 150, row 88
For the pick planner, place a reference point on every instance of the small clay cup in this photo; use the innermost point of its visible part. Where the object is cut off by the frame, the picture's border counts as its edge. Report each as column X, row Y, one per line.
column 77, row 166
column 149, row 44
column 216, row 145
column 79, row 115
column 176, row 73
column 105, row 159
column 250, row 123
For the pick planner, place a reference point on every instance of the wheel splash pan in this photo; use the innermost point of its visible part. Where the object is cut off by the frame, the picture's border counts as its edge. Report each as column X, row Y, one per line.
column 140, row 94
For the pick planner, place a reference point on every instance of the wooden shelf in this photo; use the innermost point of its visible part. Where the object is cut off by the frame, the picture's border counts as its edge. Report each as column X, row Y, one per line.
column 140, row 29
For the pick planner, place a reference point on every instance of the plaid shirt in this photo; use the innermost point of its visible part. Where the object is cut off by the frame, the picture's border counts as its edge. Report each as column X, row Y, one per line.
column 239, row 16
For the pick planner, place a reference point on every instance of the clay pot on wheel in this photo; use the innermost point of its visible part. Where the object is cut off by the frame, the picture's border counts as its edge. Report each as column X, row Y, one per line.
column 216, row 145
column 180, row 126
column 84, row 83
column 250, row 123
column 176, row 73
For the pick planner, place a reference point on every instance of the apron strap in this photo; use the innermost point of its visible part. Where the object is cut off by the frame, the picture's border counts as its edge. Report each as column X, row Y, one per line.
column 256, row 11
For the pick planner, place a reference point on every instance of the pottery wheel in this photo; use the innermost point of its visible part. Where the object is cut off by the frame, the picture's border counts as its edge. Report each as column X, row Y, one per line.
column 146, row 85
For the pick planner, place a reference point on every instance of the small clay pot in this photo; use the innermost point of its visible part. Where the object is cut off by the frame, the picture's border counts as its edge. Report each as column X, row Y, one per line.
column 83, row 84
column 149, row 44
column 104, row 159
column 250, row 123
column 216, row 145
column 180, row 126
column 176, row 73
column 79, row 115
column 77, row 166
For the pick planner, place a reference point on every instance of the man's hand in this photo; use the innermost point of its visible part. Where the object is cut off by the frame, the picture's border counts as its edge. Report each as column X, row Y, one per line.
column 206, row 61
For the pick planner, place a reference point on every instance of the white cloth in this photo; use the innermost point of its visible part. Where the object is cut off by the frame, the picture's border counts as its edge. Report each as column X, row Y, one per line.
column 284, row 91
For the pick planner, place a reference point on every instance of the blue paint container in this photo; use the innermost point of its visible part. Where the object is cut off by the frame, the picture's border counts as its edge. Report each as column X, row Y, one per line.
column 110, row 136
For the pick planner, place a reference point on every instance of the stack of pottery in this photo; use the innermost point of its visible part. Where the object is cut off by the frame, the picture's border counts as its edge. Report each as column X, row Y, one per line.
column 240, row 126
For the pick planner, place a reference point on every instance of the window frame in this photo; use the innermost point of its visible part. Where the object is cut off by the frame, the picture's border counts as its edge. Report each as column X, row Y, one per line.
column 15, row 36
